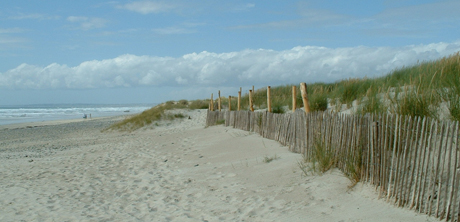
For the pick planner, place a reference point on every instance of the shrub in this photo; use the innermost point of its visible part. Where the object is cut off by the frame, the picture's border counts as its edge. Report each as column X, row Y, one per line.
column 183, row 102
column 199, row 104
column 318, row 102
column 278, row 108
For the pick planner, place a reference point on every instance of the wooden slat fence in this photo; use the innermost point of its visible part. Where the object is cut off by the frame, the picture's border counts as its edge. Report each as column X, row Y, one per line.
column 412, row 162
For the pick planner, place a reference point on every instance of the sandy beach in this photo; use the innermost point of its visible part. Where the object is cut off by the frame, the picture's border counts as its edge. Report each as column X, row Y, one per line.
column 172, row 171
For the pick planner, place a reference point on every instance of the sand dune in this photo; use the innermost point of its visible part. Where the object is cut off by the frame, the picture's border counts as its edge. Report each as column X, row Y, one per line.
column 177, row 171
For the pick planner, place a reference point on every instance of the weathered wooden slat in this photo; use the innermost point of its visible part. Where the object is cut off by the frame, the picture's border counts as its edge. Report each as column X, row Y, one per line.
column 443, row 153
column 449, row 185
column 456, row 177
column 386, row 136
column 407, row 160
column 411, row 161
column 402, row 161
column 428, row 167
column 417, row 161
column 437, row 161
column 397, row 167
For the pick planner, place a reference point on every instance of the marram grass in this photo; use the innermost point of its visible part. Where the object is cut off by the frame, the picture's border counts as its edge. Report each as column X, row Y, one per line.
column 415, row 91
column 157, row 113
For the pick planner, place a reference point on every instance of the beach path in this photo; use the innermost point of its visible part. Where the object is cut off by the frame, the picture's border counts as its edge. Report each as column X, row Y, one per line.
column 176, row 171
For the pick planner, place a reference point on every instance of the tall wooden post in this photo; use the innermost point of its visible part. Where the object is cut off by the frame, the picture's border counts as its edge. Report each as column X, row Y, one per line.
column 239, row 100
column 253, row 92
column 218, row 101
column 303, row 90
column 294, row 99
column 229, row 103
column 269, row 101
column 212, row 103
column 251, row 107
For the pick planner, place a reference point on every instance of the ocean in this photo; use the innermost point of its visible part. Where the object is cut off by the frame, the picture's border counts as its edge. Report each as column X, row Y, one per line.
column 46, row 112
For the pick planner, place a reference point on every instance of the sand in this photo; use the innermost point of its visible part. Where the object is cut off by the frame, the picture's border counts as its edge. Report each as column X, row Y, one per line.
column 176, row 171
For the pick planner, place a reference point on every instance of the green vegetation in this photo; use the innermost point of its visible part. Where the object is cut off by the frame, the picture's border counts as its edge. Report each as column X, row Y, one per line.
column 415, row 91
column 353, row 165
column 220, row 122
column 320, row 160
column 157, row 113
column 278, row 108
column 268, row 159
column 199, row 104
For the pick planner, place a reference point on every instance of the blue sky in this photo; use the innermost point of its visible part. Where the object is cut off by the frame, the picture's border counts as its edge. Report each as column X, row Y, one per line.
column 152, row 51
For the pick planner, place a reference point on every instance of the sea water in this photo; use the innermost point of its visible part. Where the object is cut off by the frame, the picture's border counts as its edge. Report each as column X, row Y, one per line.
column 40, row 113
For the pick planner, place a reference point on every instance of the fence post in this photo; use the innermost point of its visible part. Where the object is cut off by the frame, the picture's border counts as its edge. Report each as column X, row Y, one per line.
column 294, row 100
column 229, row 103
column 218, row 101
column 269, row 101
column 239, row 99
column 253, row 92
column 303, row 90
column 251, row 107
column 212, row 103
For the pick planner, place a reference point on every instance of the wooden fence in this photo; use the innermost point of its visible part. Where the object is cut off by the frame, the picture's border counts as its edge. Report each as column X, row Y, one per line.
column 413, row 162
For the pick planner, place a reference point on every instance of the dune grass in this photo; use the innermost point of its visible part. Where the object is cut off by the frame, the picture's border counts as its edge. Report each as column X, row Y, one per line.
column 416, row 91
column 157, row 113
column 320, row 161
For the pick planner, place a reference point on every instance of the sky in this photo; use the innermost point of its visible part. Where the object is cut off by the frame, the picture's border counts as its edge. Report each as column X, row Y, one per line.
column 119, row 52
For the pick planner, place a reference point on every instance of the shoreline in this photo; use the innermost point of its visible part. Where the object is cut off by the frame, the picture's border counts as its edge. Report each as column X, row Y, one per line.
column 171, row 171
column 57, row 122
column 48, row 112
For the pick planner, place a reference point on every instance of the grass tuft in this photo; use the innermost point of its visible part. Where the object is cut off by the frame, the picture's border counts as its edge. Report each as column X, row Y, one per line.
column 322, row 159
column 268, row 159
column 353, row 169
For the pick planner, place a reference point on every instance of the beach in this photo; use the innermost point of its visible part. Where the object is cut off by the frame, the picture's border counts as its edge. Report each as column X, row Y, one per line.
column 176, row 170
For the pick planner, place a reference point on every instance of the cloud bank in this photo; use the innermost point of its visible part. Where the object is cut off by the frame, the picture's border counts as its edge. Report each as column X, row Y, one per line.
column 233, row 69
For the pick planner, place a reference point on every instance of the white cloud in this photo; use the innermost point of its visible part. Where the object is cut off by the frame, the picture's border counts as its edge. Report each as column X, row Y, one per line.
column 7, row 40
column 11, row 30
column 184, row 28
column 233, row 69
column 244, row 7
column 35, row 16
column 147, row 7
column 87, row 23
column 173, row 30
column 77, row 19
